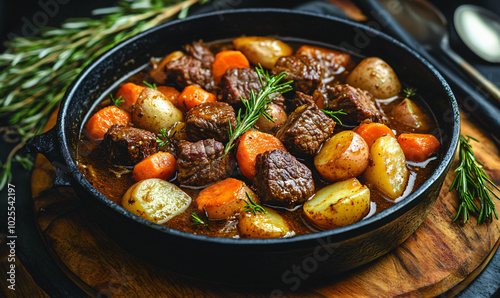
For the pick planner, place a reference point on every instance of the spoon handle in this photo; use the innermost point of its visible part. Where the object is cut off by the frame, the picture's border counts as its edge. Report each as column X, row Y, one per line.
column 472, row 103
column 471, row 71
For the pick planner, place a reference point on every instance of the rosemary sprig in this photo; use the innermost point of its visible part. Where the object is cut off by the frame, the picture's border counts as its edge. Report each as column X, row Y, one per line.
column 196, row 220
column 333, row 114
column 256, row 106
column 472, row 182
column 153, row 86
column 36, row 71
column 164, row 138
column 409, row 92
column 117, row 102
column 252, row 206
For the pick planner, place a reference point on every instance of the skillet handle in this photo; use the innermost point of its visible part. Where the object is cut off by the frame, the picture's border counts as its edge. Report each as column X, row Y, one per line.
column 48, row 145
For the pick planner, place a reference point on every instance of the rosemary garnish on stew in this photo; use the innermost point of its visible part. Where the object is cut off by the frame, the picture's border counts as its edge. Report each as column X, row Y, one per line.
column 153, row 86
column 197, row 220
column 472, row 182
column 409, row 92
column 257, row 105
column 252, row 206
column 164, row 138
column 117, row 102
column 333, row 114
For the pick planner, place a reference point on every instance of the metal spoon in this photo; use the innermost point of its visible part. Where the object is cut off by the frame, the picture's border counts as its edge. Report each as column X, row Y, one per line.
column 480, row 30
column 426, row 24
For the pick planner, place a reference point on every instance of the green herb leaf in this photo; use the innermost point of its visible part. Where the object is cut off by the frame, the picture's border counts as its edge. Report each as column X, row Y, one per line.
column 164, row 138
column 252, row 206
column 472, row 182
column 409, row 92
column 333, row 114
column 196, row 220
column 117, row 102
column 5, row 175
column 149, row 85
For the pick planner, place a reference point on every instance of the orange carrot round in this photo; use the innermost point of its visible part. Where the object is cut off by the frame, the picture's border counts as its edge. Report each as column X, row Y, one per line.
column 226, row 60
column 100, row 122
column 418, row 147
column 219, row 193
column 372, row 131
column 224, row 199
column 251, row 144
column 129, row 92
column 170, row 92
column 160, row 165
column 192, row 96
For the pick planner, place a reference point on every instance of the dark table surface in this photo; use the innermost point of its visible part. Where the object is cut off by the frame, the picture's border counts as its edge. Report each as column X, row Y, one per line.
column 16, row 18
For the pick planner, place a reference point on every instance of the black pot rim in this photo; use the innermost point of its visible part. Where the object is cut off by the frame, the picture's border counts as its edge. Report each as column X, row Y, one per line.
column 349, row 231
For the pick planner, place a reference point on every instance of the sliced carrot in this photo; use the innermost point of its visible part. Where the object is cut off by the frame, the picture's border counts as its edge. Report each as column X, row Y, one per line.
column 129, row 92
column 192, row 96
column 372, row 131
column 251, row 144
column 100, row 122
column 226, row 60
column 417, row 146
column 160, row 165
column 170, row 92
column 224, row 199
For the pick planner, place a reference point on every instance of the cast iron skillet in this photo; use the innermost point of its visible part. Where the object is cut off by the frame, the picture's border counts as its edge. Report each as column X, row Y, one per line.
column 290, row 260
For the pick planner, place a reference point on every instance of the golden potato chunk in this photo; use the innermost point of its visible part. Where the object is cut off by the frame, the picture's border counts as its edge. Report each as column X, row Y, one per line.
column 387, row 170
column 153, row 111
column 155, row 200
column 339, row 204
column 345, row 155
column 263, row 50
column 263, row 225
column 375, row 76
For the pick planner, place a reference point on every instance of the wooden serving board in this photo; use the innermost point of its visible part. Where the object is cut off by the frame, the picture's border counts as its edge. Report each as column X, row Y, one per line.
column 440, row 257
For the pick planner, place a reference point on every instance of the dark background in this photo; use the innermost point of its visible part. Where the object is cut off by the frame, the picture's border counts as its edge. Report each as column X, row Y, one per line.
column 18, row 17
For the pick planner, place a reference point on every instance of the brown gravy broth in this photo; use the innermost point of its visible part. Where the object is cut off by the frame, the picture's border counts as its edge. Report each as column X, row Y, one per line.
column 113, row 181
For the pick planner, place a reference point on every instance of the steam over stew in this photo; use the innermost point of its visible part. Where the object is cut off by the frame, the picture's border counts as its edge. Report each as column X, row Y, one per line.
column 341, row 144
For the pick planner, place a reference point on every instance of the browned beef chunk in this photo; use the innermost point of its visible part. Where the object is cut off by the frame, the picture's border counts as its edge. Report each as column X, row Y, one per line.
column 305, row 130
column 324, row 92
column 187, row 71
column 333, row 60
column 305, row 72
column 281, row 180
column 194, row 68
column 298, row 100
column 202, row 163
column 199, row 51
column 127, row 145
column 210, row 121
column 239, row 83
column 357, row 103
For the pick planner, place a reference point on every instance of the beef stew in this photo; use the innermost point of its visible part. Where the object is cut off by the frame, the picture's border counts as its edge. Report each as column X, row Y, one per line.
column 285, row 180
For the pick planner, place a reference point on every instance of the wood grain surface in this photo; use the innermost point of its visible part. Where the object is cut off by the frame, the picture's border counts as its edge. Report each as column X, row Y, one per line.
column 440, row 257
